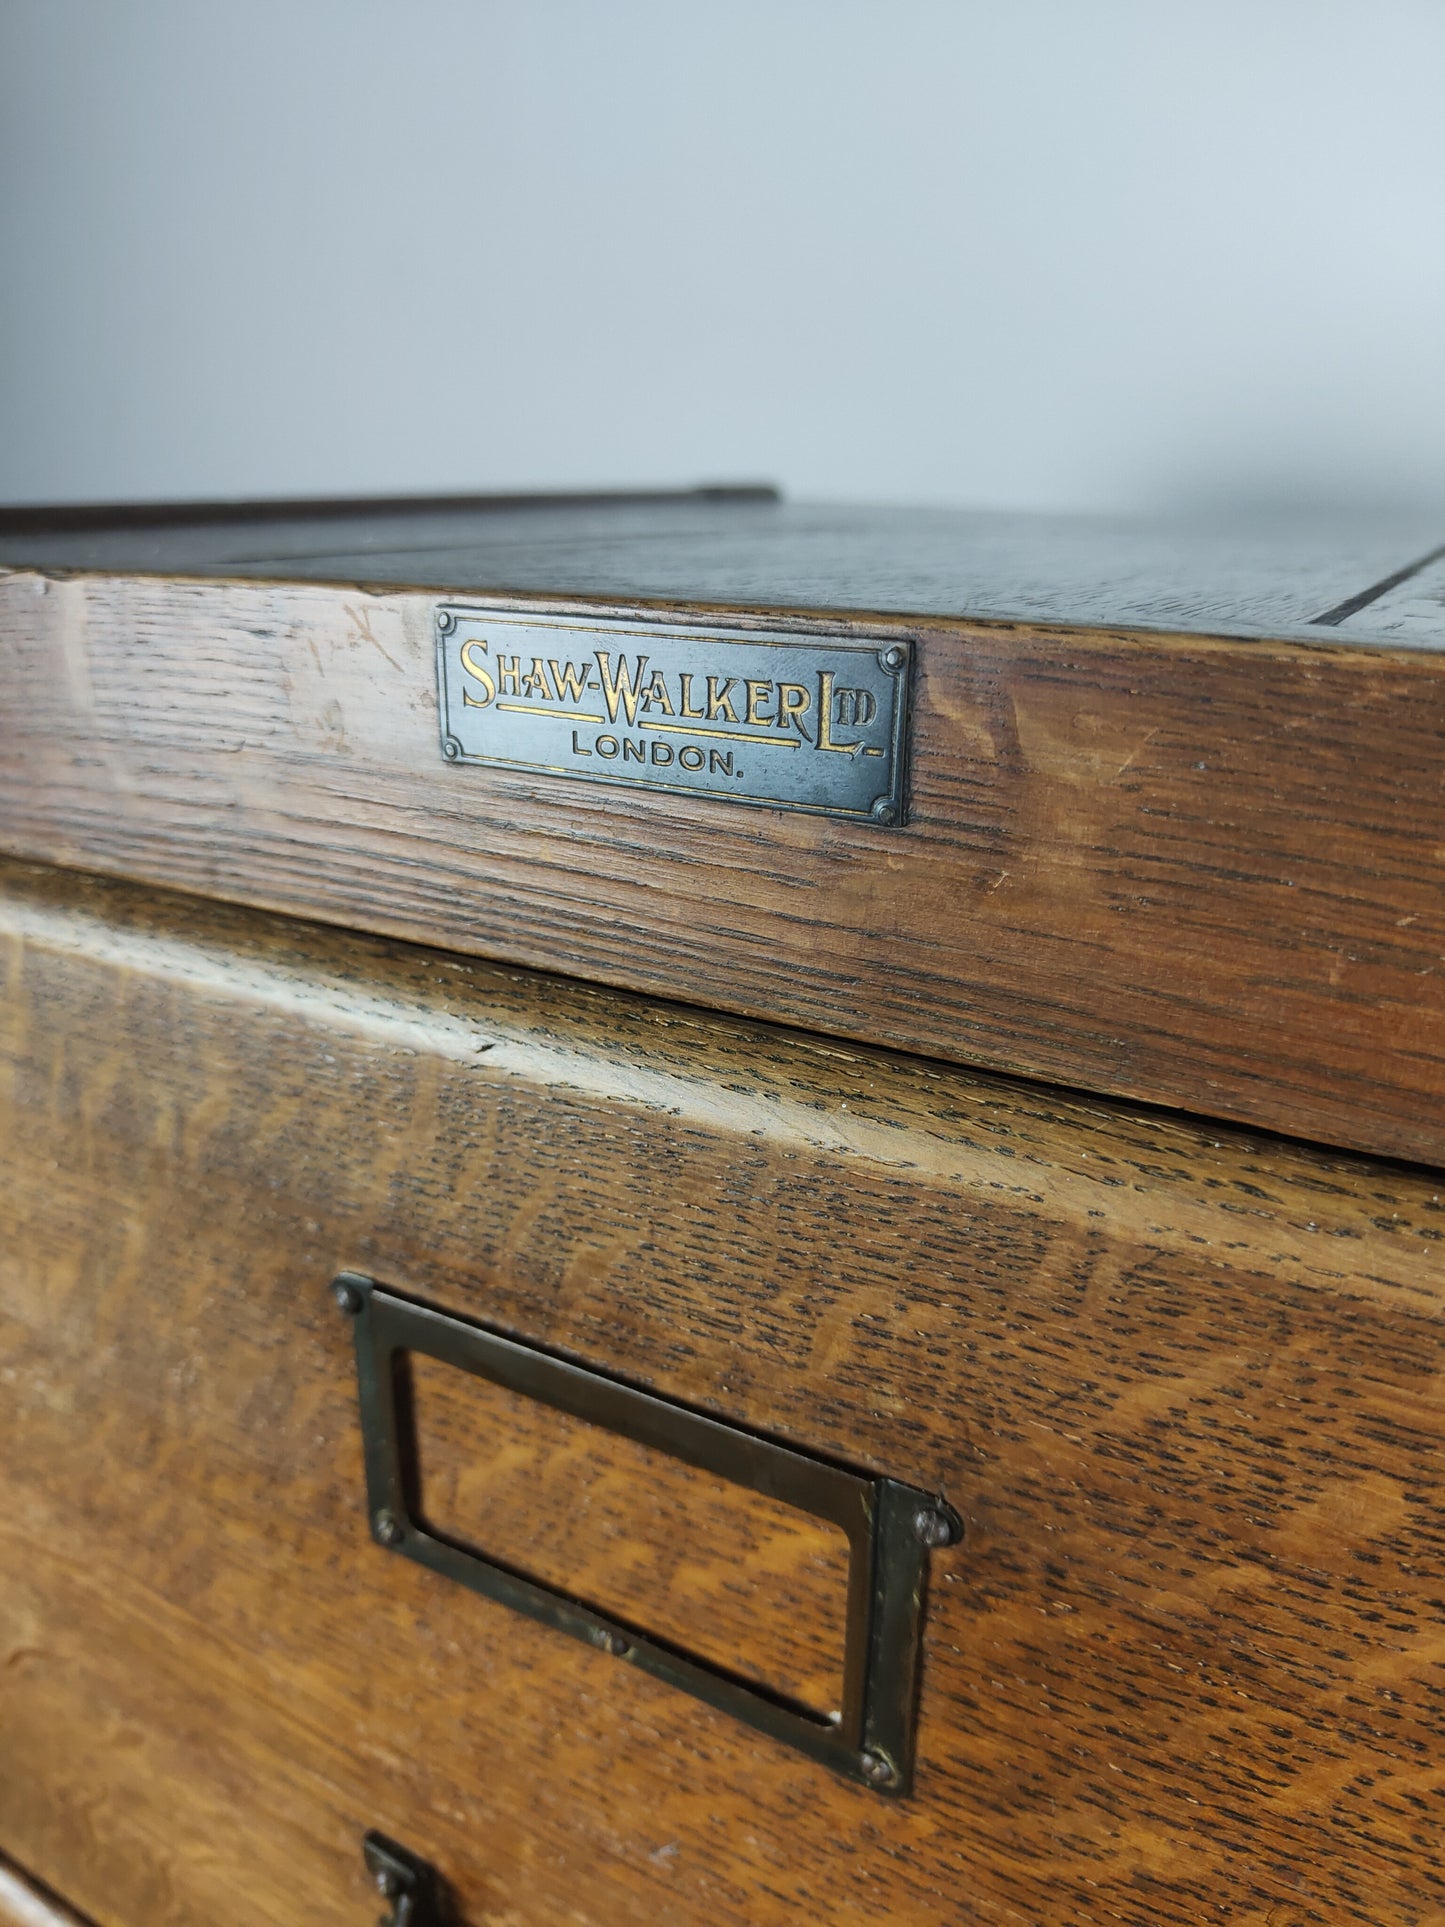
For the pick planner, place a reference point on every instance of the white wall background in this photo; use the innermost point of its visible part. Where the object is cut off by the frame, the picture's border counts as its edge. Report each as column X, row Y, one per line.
column 1061, row 253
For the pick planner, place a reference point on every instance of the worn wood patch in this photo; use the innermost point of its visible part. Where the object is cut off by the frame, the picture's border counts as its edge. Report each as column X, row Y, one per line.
column 1183, row 1384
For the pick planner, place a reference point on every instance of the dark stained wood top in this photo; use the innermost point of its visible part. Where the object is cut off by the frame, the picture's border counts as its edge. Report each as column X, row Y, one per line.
column 1318, row 576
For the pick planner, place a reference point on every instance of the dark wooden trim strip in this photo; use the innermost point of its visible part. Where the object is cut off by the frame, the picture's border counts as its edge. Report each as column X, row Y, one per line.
column 1352, row 605
column 68, row 518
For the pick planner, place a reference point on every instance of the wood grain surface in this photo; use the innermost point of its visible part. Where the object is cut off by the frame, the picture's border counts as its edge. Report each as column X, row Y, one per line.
column 1183, row 1384
column 731, row 1576
column 1189, row 871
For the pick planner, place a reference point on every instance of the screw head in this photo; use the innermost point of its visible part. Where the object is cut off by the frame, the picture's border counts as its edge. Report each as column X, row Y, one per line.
column 386, row 1882
column 610, row 1642
column 451, row 748
column 893, row 658
column 879, row 1770
column 445, row 620
column 347, row 1295
column 387, row 1528
column 884, row 810
column 934, row 1527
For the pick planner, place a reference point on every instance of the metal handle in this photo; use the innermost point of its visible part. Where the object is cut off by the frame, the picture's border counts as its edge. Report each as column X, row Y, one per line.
column 419, row 1896
column 23, row 1904
column 890, row 1529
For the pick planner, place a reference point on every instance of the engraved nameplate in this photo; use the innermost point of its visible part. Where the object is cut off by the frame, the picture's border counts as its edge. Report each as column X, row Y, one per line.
column 795, row 722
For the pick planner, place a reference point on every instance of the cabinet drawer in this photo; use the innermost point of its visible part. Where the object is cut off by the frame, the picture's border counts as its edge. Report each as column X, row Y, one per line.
column 1180, row 1385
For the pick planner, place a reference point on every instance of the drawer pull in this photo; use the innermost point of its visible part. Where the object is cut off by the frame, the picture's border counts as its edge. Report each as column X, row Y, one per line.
column 890, row 1528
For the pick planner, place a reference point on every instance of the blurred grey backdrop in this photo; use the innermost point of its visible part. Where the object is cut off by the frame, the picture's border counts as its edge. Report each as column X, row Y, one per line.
column 1106, row 256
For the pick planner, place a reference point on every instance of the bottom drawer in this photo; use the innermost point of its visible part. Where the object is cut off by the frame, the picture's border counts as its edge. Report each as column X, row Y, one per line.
column 1181, row 1388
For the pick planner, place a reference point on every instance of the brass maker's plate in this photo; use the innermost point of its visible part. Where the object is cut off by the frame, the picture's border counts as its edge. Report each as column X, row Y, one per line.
column 793, row 722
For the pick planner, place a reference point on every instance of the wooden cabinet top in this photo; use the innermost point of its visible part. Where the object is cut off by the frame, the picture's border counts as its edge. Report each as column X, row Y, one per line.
column 1353, row 576
column 1173, row 824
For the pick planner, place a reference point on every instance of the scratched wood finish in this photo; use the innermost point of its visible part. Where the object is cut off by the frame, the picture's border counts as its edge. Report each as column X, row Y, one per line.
column 1183, row 1385
column 1198, row 873
column 735, row 1578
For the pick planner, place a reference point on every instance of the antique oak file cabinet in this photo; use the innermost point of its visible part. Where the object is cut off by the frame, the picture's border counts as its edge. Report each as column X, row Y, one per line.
column 714, row 1212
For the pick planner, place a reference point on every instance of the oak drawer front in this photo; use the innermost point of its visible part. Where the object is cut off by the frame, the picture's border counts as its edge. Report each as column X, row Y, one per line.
column 1182, row 1386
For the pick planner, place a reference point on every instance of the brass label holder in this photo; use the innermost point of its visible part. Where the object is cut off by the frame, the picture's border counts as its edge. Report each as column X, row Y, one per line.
column 890, row 1529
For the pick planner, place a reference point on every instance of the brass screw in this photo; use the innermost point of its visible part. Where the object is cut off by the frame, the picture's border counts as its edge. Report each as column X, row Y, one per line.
column 347, row 1295
column 933, row 1526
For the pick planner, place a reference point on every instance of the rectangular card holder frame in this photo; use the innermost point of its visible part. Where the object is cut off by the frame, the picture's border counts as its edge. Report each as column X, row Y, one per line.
column 890, row 1528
